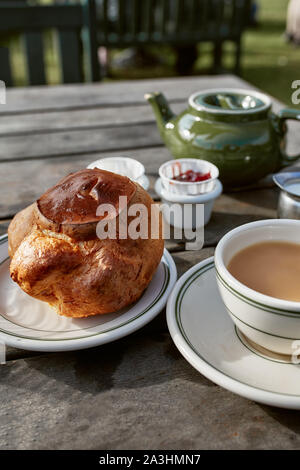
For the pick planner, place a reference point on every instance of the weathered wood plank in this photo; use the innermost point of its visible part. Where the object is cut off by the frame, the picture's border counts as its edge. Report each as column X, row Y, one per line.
column 232, row 210
column 79, row 142
column 3, row 226
column 97, row 403
column 186, row 259
column 43, row 98
column 91, row 118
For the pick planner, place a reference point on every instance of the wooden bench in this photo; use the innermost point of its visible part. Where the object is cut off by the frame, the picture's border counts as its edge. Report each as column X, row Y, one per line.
column 31, row 22
column 125, row 23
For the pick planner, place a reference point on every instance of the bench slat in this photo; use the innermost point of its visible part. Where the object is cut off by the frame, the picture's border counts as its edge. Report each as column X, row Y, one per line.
column 70, row 56
column 5, row 66
column 29, row 18
column 35, row 64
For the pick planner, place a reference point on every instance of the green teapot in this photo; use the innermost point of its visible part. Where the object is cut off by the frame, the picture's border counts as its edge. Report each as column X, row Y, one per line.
column 234, row 129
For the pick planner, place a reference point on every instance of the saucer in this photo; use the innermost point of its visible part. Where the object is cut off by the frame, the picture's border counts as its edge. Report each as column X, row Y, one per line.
column 187, row 198
column 206, row 336
column 29, row 323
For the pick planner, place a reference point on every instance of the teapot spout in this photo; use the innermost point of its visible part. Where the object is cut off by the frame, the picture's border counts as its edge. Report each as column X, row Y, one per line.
column 162, row 111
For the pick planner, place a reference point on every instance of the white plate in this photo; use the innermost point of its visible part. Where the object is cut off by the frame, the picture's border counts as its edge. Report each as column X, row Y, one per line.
column 31, row 324
column 205, row 335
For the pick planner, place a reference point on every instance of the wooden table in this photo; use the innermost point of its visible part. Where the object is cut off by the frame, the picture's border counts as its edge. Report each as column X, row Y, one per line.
column 138, row 392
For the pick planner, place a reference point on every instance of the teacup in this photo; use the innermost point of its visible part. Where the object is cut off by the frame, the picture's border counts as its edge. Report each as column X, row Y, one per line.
column 269, row 322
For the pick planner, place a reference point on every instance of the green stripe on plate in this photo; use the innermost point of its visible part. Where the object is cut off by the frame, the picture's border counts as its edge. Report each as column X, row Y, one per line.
column 261, row 331
column 254, row 351
column 178, row 303
column 165, row 284
column 253, row 303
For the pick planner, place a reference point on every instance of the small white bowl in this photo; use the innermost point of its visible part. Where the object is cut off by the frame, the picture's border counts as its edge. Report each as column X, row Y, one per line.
column 267, row 321
column 173, row 168
column 177, row 202
column 125, row 166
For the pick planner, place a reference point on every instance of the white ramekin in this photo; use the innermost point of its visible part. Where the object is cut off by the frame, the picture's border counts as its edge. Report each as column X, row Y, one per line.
column 270, row 322
column 178, row 202
column 125, row 166
column 173, row 168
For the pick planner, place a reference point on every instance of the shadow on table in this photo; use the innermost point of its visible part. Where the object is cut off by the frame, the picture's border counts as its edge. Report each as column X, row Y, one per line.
column 223, row 222
column 147, row 357
column 288, row 418
column 218, row 226
column 262, row 198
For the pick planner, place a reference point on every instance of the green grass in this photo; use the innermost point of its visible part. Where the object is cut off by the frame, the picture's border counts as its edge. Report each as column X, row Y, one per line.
column 269, row 62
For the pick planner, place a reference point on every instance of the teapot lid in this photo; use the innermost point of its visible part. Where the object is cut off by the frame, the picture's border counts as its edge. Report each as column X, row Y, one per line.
column 229, row 101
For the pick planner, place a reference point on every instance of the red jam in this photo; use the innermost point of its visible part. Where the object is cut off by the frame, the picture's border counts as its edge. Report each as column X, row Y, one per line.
column 191, row 176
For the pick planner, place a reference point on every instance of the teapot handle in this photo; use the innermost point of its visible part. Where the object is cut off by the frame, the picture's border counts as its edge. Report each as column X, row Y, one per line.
column 282, row 116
